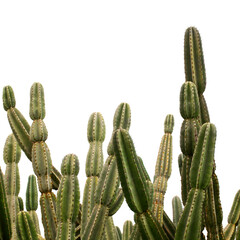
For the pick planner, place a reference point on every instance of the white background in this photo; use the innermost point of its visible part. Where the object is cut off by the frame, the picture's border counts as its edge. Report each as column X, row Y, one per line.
column 91, row 56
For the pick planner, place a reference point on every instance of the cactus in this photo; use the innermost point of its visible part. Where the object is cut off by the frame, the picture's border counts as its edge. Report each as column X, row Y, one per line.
column 163, row 169
column 189, row 226
column 177, row 209
column 21, row 129
column 41, row 161
column 68, row 198
column 5, row 221
column 11, row 155
column 66, row 218
column 25, row 227
column 108, row 182
column 195, row 72
column 94, row 164
column 189, row 109
column 32, row 200
column 233, row 218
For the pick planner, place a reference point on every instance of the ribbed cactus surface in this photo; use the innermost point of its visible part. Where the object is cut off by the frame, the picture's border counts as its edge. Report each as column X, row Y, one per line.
column 66, row 218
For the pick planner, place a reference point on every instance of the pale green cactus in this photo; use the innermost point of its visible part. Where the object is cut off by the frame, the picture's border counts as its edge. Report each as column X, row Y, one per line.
column 163, row 169
column 41, row 161
column 94, row 164
column 177, row 209
column 11, row 156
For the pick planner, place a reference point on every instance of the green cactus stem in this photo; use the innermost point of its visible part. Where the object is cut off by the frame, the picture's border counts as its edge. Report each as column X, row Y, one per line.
column 177, row 209
column 20, row 204
column 25, row 227
column 11, row 156
column 195, row 72
column 119, row 233
column 68, row 198
column 21, row 130
column 189, row 109
column 134, row 185
column 5, row 220
column 163, row 169
column 108, row 183
column 94, row 164
column 32, row 200
column 189, row 226
column 233, row 218
column 168, row 226
column 127, row 230
column 41, row 161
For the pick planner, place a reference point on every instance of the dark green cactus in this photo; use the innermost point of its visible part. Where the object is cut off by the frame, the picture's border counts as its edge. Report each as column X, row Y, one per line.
column 5, row 221
column 41, row 161
column 32, row 200
column 134, row 185
column 20, row 204
column 68, row 198
column 195, row 72
column 189, row 226
column 189, row 109
column 163, row 169
column 11, row 156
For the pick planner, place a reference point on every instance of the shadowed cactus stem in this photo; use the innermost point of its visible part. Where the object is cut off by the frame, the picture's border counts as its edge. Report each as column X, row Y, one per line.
column 177, row 209
column 5, row 221
column 189, row 226
column 11, row 155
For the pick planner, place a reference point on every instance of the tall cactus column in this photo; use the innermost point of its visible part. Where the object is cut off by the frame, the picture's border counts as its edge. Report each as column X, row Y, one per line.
column 195, row 72
column 94, row 164
column 163, row 169
column 41, row 161
column 11, row 155
column 68, row 198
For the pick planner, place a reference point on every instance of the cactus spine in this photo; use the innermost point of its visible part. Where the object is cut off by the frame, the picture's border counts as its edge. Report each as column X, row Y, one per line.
column 21, row 129
column 12, row 154
column 41, row 161
column 189, row 226
column 163, row 169
column 32, row 200
column 94, row 164
column 68, row 198
column 195, row 72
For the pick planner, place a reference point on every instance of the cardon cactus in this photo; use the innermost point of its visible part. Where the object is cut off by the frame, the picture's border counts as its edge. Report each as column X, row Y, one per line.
column 122, row 175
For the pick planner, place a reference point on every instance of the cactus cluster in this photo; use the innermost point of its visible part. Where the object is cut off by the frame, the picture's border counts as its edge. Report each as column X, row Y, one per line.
column 121, row 176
